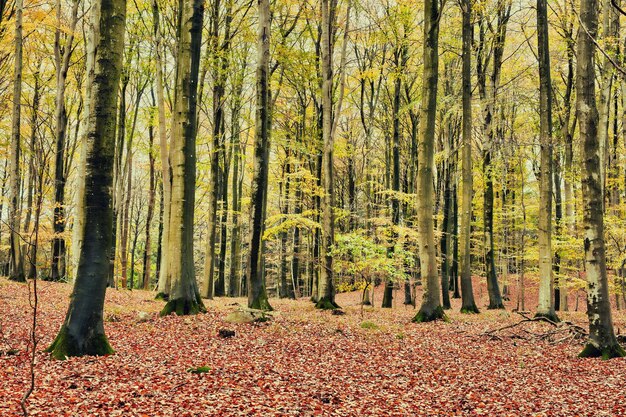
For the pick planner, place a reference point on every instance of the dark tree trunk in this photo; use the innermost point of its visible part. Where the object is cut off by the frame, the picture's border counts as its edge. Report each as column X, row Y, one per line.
column 257, row 295
column 82, row 332
column 467, row 293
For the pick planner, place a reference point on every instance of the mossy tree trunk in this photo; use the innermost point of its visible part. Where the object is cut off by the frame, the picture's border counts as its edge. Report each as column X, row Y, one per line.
column 602, row 341
column 184, row 297
column 82, row 332
column 431, row 306
column 257, row 295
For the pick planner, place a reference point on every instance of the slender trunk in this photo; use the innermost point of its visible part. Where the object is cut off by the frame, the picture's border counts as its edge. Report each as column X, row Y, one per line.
column 467, row 293
column 257, row 295
column 16, row 265
column 235, row 245
column 62, row 61
column 34, row 186
column 79, row 203
column 164, row 276
column 610, row 30
column 147, row 251
column 445, row 229
column 395, row 201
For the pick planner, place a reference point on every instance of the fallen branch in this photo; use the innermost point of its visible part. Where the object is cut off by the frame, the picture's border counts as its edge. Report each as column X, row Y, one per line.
column 561, row 332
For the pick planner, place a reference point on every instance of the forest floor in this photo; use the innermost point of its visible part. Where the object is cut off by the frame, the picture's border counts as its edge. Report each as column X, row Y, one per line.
column 306, row 362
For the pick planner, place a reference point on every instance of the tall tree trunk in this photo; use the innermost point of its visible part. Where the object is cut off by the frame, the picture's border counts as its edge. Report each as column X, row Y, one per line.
column 34, row 185
column 147, row 251
column 165, row 278
column 431, row 306
column 568, row 157
column 602, row 341
column 62, row 55
column 257, row 295
column 184, row 297
column 82, row 332
column 545, row 306
column 118, row 182
column 16, row 265
column 395, row 201
column 326, row 286
column 128, row 178
column 467, row 293
column 488, row 93
column 234, row 281
column 79, row 203
column 610, row 32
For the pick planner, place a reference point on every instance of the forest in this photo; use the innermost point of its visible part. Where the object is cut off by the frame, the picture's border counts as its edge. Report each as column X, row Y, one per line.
column 315, row 207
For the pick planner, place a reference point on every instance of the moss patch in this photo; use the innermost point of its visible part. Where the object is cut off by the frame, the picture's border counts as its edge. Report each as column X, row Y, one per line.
column 65, row 345
column 424, row 316
column 261, row 303
column 183, row 307
column 369, row 325
column 470, row 309
column 326, row 304
column 607, row 352
column 162, row 296
column 199, row 370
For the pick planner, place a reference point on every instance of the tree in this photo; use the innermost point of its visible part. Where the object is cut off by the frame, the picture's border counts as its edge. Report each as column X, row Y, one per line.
column 602, row 341
column 546, row 299
column 488, row 92
column 184, row 297
column 62, row 56
column 166, row 174
column 467, row 293
column 82, row 332
column 431, row 305
column 16, row 266
column 257, row 295
column 326, row 288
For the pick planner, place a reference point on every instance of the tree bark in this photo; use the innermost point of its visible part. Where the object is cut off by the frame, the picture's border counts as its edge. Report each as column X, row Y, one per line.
column 257, row 294
column 82, row 332
column 62, row 55
column 16, row 262
column 326, row 286
column 165, row 279
column 545, row 306
column 602, row 341
column 467, row 294
column 147, row 251
column 431, row 306
column 184, row 297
